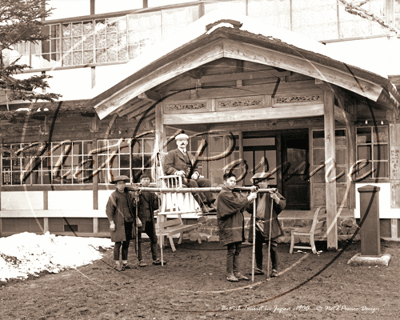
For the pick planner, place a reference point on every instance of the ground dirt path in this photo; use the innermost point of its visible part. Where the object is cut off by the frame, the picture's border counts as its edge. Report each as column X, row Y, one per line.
column 193, row 286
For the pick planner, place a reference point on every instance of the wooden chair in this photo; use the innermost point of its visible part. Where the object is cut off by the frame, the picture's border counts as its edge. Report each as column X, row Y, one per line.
column 317, row 228
column 173, row 206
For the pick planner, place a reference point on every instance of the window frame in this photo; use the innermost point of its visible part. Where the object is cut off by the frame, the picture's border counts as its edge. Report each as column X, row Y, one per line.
column 374, row 142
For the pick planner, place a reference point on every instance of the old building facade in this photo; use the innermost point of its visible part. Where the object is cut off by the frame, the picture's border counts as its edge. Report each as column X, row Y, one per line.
column 316, row 113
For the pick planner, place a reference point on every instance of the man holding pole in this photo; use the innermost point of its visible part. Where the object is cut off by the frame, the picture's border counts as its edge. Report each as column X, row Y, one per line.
column 123, row 220
column 230, row 208
column 269, row 205
column 147, row 204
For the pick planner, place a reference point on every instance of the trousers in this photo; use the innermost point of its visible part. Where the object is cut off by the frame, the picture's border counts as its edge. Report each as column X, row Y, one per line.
column 232, row 257
column 202, row 183
column 148, row 228
column 259, row 251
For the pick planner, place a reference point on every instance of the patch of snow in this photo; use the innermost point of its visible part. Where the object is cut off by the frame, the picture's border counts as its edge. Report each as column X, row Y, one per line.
column 27, row 253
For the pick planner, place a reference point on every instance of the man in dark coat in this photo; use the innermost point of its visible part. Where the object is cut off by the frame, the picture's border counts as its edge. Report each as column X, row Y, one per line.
column 230, row 208
column 263, row 223
column 181, row 163
column 121, row 214
column 148, row 203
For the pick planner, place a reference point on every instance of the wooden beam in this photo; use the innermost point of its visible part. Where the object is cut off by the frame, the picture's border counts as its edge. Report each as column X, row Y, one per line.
column 147, row 117
column 239, row 115
column 342, row 116
column 189, row 61
column 160, row 136
column 150, row 95
column 330, row 169
column 135, row 105
column 285, row 88
column 248, row 52
column 139, row 111
column 226, row 48
column 245, row 76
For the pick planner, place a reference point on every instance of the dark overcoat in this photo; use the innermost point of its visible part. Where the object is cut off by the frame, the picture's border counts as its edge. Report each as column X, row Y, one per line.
column 148, row 203
column 114, row 209
column 276, row 210
column 175, row 161
column 230, row 208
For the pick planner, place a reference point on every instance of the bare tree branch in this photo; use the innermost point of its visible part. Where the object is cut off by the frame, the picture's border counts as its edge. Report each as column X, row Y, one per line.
column 355, row 8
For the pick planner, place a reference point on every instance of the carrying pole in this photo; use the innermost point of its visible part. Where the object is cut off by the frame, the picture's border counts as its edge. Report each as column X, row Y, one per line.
column 254, row 240
column 269, row 236
column 194, row 190
column 136, row 226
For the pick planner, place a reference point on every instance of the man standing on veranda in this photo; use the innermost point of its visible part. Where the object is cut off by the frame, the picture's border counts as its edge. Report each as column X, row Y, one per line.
column 181, row 163
column 230, row 217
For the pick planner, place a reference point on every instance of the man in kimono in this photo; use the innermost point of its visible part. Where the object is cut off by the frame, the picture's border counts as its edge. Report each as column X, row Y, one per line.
column 230, row 208
column 181, row 163
column 263, row 223
column 148, row 203
column 121, row 214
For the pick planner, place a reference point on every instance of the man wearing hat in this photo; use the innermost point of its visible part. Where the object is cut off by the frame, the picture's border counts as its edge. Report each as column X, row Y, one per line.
column 148, row 203
column 121, row 215
column 263, row 223
column 179, row 162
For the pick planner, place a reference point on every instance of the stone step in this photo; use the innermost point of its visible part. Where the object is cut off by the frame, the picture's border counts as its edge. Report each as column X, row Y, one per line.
column 209, row 228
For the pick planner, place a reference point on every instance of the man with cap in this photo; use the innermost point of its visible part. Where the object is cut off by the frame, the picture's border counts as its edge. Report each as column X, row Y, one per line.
column 181, row 163
column 121, row 215
column 230, row 219
column 148, row 203
column 263, row 222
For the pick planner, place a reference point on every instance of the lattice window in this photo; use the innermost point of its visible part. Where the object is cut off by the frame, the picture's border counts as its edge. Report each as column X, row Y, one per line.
column 373, row 145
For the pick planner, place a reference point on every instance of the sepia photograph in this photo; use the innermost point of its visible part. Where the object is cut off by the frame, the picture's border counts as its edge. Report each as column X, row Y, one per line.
column 199, row 159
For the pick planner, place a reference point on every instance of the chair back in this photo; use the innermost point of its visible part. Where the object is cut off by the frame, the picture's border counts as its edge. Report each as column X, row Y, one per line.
column 174, row 202
column 319, row 220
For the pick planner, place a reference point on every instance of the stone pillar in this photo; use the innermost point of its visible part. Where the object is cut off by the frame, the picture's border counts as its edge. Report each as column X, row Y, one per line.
column 369, row 215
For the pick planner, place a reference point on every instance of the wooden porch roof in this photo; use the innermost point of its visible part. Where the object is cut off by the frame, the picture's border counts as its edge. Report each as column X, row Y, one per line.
column 138, row 91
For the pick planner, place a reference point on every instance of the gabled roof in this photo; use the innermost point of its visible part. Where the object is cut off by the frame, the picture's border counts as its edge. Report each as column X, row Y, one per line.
column 245, row 39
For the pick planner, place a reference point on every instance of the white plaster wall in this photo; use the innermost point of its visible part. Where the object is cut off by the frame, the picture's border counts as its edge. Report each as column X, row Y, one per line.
column 103, row 198
column 72, row 84
column 68, row 8
column 18, row 200
column 379, row 55
column 104, row 6
column 72, row 200
column 385, row 212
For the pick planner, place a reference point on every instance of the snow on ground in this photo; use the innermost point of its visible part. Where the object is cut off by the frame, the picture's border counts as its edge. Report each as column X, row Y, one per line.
column 27, row 254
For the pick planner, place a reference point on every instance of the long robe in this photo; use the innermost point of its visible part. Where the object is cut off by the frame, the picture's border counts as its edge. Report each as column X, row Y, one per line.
column 230, row 208
column 116, row 205
column 276, row 210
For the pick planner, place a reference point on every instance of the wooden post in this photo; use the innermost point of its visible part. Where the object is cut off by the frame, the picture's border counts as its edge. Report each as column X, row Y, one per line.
column 160, row 133
column 241, row 155
column 95, row 225
column 45, row 224
column 95, row 178
column 202, row 9
column 369, row 214
column 330, row 170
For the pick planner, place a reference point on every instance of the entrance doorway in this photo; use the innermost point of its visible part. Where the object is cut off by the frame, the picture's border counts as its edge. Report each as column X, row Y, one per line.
column 295, row 170
column 287, row 151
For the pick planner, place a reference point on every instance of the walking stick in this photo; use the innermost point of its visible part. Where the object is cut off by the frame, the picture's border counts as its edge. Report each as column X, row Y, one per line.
column 254, row 240
column 136, row 227
column 137, row 230
column 269, row 236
